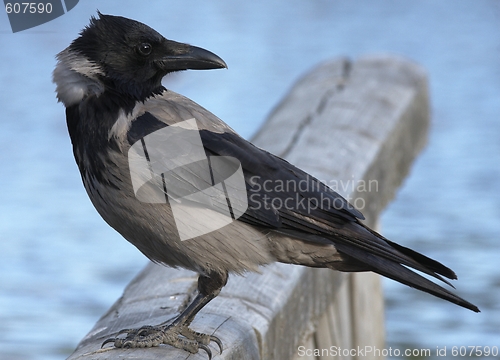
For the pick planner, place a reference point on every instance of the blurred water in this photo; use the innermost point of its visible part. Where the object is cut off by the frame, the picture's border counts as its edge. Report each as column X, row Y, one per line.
column 61, row 267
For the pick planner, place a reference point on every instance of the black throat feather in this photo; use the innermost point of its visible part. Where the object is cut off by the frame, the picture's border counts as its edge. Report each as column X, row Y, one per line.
column 89, row 123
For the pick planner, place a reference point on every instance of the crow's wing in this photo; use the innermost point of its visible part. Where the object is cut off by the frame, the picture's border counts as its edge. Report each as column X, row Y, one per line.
column 329, row 218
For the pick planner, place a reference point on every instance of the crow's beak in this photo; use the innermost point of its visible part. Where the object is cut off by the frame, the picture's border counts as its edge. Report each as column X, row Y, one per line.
column 183, row 57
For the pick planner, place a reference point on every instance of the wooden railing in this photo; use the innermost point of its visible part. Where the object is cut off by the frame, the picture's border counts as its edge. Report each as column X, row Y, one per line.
column 356, row 125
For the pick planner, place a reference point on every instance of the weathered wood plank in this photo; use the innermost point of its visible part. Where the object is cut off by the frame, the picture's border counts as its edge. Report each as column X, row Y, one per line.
column 346, row 123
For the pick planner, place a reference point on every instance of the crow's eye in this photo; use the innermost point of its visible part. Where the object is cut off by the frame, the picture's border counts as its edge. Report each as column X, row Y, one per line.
column 145, row 49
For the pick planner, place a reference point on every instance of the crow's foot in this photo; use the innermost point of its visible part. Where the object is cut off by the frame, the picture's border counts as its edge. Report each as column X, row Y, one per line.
column 179, row 336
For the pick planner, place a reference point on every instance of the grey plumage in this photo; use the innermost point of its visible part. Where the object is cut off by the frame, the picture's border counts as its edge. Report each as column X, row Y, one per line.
column 109, row 79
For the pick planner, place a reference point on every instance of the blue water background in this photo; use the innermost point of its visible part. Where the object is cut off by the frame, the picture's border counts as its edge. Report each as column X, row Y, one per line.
column 61, row 266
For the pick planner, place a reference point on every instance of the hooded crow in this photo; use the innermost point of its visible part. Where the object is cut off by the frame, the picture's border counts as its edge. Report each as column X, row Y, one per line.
column 187, row 191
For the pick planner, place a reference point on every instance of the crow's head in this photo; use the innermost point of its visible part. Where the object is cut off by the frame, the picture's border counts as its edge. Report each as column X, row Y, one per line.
column 123, row 56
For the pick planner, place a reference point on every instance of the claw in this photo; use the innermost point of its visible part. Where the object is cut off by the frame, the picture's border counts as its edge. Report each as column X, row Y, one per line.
column 179, row 336
column 205, row 347
column 216, row 340
column 108, row 341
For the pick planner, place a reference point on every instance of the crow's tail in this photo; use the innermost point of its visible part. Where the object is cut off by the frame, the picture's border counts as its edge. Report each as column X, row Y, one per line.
column 365, row 246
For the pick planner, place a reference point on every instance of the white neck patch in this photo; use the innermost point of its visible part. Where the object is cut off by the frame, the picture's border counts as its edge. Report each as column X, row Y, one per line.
column 124, row 122
column 76, row 77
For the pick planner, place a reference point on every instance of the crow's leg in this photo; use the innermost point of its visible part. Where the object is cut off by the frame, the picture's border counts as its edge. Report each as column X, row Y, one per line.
column 177, row 333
